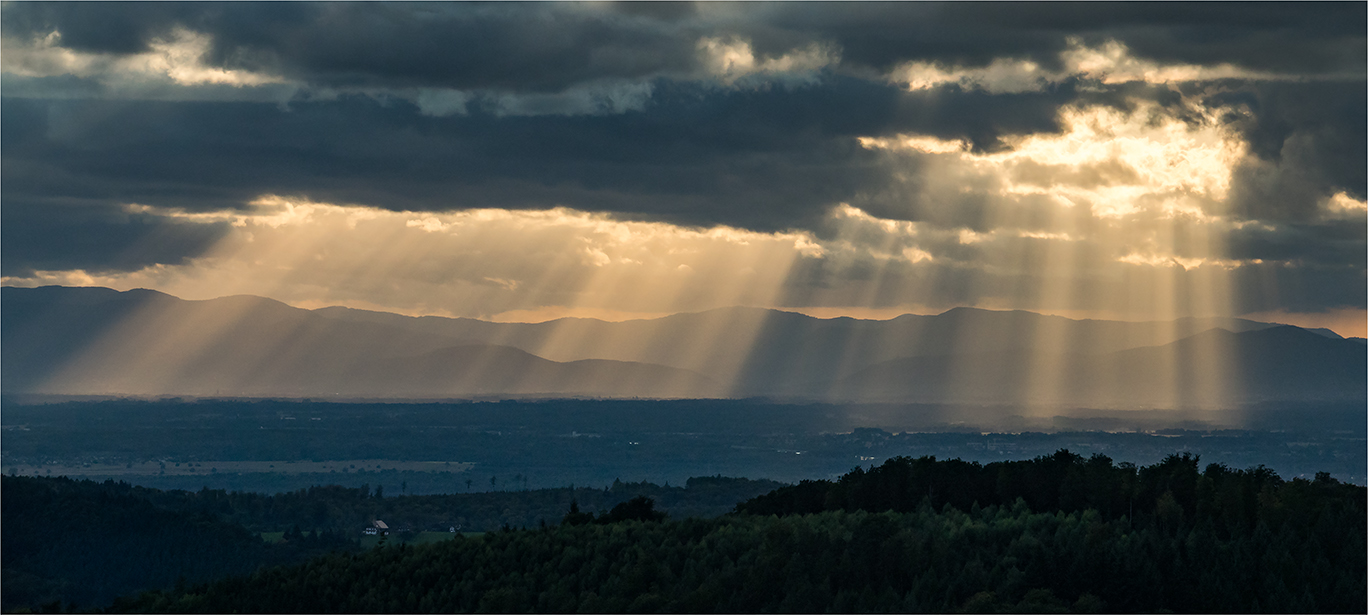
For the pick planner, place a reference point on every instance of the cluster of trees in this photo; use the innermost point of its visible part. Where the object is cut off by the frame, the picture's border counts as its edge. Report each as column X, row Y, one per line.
column 990, row 559
column 1172, row 492
column 350, row 509
column 281, row 482
column 83, row 543
column 640, row 508
column 1076, row 535
column 77, row 543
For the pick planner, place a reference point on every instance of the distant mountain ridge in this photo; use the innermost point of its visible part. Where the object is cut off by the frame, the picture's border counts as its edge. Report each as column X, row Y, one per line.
column 769, row 352
column 1208, row 368
column 99, row 341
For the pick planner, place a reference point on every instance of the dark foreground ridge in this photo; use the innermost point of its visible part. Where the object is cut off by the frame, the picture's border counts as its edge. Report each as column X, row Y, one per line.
column 1058, row 534
column 79, row 544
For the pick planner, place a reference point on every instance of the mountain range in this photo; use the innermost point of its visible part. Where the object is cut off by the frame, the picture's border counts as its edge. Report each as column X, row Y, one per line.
column 97, row 341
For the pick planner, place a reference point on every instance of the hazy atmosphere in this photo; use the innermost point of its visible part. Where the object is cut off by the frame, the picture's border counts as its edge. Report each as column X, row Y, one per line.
column 523, row 162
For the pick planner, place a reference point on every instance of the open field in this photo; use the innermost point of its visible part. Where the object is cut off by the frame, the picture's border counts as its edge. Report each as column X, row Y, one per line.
column 415, row 538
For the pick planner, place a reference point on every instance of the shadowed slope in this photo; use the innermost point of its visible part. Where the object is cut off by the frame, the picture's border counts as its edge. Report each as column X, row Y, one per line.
column 1271, row 363
column 487, row 370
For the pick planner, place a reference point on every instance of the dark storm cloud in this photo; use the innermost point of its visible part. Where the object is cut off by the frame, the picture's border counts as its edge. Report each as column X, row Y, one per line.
column 1307, row 142
column 63, row 207
column 762, row 158
column 498, row 47
column 1322, row 244
column 61, row 234
column 98, row 27
column 1286, row 37
column 547, row 46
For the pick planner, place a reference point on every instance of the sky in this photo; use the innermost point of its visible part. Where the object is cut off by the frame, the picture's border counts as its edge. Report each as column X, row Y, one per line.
column 526, row 161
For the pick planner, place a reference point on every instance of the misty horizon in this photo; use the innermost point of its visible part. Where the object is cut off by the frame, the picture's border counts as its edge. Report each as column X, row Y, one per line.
column 893, row 315
column 96, row 341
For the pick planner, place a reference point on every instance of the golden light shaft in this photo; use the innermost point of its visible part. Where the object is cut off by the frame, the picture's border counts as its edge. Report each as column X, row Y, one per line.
column 1135, row 197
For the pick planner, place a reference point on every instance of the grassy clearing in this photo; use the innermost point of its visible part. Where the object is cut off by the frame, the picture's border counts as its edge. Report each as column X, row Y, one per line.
column 415, row 538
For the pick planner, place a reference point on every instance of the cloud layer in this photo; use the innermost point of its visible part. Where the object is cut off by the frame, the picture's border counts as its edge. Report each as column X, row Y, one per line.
column 1041, row 156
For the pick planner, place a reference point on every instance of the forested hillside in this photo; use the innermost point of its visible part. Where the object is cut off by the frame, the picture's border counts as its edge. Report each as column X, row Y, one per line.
column 1072, row 535
column 339, row 508
column 82, row 543
column 1173, row 488
column 75, row 543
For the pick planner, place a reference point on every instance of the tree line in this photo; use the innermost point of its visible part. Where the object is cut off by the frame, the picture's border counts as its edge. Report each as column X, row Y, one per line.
column 1055, row 534
column 76, row 544
column 79, row 542
column 1173, row 491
